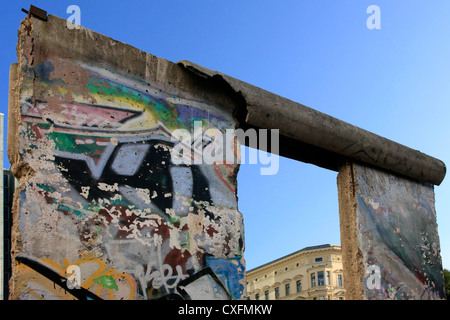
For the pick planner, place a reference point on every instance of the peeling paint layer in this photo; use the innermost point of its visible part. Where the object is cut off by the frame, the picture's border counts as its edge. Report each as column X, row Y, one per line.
column 103, row 193
column 397, row 235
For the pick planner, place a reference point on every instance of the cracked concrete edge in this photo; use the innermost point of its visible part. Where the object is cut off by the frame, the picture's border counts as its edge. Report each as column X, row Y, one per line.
column 352, row 257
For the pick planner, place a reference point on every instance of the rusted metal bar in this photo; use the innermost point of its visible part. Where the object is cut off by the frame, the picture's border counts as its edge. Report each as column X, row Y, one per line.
column 36, row 12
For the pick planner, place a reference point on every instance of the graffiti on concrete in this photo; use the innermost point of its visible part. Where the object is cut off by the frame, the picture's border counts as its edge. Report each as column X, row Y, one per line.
column 104, row 187
column 398, row 237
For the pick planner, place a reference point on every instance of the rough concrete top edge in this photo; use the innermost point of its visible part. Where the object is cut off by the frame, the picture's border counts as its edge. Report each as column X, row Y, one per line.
column 327, row 132
column 56, row 40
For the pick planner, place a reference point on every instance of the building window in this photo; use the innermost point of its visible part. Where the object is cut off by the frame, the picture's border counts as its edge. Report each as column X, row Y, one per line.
column 318, row 259
column 287, row 287
column 277, row 293
column 299, row 285
column 320, row 278
column 339, row 280
column 257, row 296
column 328, row 278
column 313, row 280
column 266, row 294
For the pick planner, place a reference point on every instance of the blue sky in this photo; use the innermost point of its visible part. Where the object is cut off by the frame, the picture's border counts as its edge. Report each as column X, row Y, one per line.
column 394, row 82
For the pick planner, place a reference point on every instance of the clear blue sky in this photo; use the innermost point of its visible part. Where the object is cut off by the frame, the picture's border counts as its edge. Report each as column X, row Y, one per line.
column 394, row 82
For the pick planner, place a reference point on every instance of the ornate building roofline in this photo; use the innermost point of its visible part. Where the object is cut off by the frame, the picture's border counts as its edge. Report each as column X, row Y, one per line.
column 310, row 249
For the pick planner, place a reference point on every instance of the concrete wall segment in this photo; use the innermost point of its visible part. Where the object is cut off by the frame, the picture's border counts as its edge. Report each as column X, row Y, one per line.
column 91, row 140
column 389, row 236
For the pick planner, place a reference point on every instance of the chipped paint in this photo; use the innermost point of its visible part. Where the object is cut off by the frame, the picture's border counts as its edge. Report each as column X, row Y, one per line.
column 397, row 232
column 103, row 184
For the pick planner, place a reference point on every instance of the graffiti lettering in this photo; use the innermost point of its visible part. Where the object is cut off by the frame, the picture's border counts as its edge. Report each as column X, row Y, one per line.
column 105, row 172
column 80, row 294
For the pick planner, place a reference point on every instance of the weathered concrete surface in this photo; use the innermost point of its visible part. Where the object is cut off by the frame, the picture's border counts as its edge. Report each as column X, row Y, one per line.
column 351, row 254
column 100, row 200
column 389, row 236
column 329, row 137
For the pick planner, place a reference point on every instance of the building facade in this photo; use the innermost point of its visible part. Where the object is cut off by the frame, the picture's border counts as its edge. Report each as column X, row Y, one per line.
column 312, row 273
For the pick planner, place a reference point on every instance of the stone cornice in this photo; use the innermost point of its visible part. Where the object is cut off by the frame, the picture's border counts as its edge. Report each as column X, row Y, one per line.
column 270, row 266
